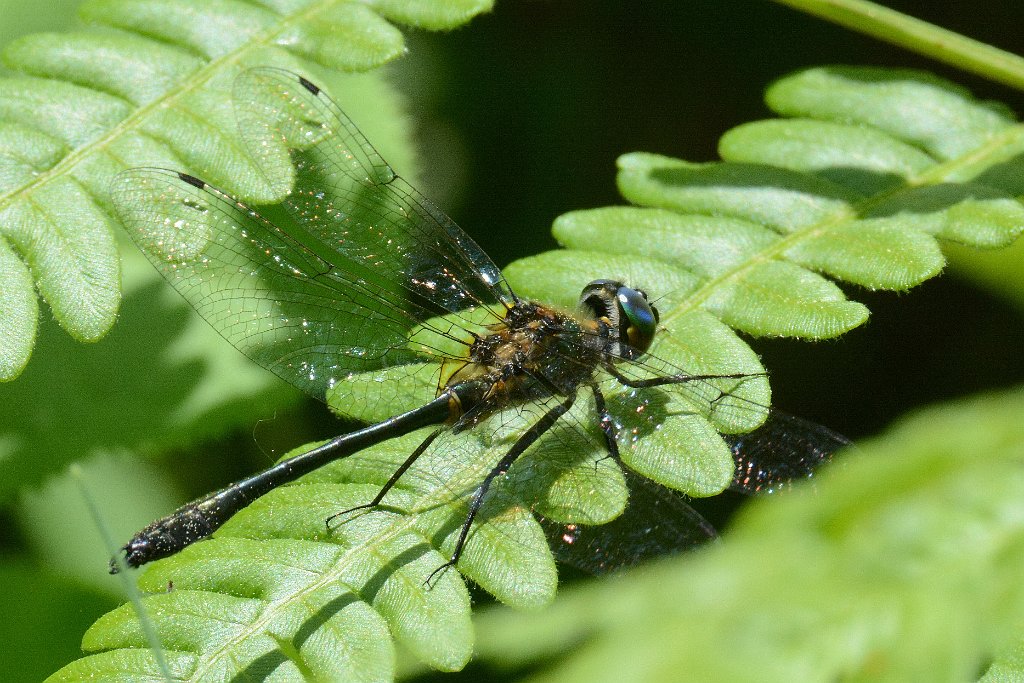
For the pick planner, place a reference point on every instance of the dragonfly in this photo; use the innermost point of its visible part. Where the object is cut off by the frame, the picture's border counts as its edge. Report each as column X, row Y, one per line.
column 357, row 273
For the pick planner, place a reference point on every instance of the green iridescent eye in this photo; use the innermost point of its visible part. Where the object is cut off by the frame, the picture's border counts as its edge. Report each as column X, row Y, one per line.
column 641, row 316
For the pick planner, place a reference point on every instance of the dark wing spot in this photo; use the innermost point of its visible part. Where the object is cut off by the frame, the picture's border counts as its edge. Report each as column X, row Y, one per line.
column 309, row 86
column 192, row 180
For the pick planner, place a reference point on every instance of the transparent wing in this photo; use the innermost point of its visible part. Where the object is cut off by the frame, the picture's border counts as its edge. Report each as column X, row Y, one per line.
column 697, row 426
column 310, row 315
column 347, row 197
column 595, row 515
column 336, row 282
column 769, row 449
column 782, row 450
column 657, row 522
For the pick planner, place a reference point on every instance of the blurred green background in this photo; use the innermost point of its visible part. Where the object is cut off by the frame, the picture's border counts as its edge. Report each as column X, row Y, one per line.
column 519, row 117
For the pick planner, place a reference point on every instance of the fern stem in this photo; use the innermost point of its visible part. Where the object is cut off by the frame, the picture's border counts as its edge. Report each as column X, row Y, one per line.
column 919, row 36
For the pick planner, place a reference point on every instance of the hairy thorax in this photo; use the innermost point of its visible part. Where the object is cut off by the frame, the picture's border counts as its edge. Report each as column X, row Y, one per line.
column 535, row 350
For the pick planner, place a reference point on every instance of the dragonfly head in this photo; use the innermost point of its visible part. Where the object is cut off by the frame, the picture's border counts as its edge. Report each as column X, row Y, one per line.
column 627, row 312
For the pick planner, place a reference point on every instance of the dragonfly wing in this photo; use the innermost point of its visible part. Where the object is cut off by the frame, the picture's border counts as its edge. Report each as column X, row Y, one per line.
column 334, row 284
column 657, row 522
column 784, row 449
column 312, row 318
column 351, row 201
column 596, row 515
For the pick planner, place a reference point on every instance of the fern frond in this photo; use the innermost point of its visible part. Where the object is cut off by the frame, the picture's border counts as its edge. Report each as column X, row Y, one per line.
column 903, row 565
column 875, row 168
column 276, row 591
column 150, row 86
column 734, row 243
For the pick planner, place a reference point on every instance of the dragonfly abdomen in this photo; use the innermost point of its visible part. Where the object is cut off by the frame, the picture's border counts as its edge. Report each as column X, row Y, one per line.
column 198, row 519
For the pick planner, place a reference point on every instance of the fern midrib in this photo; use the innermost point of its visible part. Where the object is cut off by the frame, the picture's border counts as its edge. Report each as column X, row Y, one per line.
column 403, row 523
column 170, row 98
column 933, row 175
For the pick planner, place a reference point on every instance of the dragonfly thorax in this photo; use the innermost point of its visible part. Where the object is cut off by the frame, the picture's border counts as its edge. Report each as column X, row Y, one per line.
column 534, row 350
column 538, row 349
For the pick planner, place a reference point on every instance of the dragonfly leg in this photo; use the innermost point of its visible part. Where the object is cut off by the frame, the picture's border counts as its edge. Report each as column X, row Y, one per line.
column 607, row 424
column 395, row 476
column 522, row 443
column 674, row 379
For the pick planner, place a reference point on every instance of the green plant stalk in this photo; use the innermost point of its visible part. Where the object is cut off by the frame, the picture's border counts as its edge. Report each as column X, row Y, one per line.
column 129, row 585
column 919, row 36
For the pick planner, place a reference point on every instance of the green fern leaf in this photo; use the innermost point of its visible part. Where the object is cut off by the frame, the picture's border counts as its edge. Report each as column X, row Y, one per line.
column 17, row 311
column 432, row 15
column 734, row 244
column 275, row 591
column 1007, row 667
column 902, row 564
column 155, row 91
column 881, row 165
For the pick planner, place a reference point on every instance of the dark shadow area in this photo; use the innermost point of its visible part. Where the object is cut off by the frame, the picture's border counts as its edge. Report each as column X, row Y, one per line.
column 311, row 625
column 742, row 175
column 261, row 668
column 866, row 182
column 1007, row 175
column 74, row 398
column 931, row 199
column 381, row 576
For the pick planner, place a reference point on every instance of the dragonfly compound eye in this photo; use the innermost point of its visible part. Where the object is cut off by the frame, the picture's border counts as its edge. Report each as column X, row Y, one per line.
column 637, row 318
column 632, row 319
